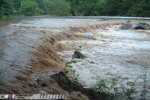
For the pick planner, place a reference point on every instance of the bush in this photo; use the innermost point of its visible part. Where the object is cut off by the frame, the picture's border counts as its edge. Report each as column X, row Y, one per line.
column 57, row 7
column 29, row 8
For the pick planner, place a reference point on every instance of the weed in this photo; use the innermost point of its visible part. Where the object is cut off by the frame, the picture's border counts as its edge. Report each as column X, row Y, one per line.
column 100, row 91
column 104, row 87
column 64, row 81
column 110, row 88
column 129, row 92
column 71, row 85
column 101, row 86
column 104, row 90
column 70, row 62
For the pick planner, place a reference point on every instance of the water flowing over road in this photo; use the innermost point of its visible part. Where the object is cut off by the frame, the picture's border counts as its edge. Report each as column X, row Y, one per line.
column 33, row 49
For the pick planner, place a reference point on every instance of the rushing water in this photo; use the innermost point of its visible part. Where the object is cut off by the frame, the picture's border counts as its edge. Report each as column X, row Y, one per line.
column 7, row 21
column 4, row 22
column 25, row 33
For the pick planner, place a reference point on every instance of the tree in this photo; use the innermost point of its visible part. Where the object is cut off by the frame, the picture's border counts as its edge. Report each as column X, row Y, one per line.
column 29, row 8
column 75, row 7
column 41, row 5
column 140, row 8
column 7, row 7
column 57, row 7
column 1, row 3
column 112, row 7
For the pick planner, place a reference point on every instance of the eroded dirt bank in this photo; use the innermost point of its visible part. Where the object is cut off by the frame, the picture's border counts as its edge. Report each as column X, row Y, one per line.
column 34, row 50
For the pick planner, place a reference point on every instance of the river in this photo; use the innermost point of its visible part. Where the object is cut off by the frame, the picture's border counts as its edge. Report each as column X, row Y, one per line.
column 33, row 48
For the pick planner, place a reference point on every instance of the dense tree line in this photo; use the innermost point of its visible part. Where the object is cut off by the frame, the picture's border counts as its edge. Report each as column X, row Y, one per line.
column 110, row 7
column 34, row 7
column 75, row 7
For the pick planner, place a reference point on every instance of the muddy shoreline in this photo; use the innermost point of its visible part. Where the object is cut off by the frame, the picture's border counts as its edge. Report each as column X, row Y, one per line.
column 32, row 52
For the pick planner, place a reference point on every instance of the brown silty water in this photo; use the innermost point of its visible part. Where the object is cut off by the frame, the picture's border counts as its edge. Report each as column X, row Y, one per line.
column 33, row 50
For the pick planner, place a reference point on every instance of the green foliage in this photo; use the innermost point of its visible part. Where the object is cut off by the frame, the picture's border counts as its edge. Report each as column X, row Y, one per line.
column 110, row 7
column 129, row 92
column 101, row 86
column 64, row 81
column 70, row 62
column 56, row 7
column 104, row 90
column 75, row 7
column 7, row 7
column 1, row 13
column 34, row 7
column 1, row 3
column 29, row 8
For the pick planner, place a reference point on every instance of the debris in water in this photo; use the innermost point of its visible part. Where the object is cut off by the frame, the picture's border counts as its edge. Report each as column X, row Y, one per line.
column 126, row 27
column 78, row 55
column 88, row 36
column 142, row 26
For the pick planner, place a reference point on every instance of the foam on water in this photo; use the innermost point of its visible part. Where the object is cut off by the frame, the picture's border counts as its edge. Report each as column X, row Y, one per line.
column 115, row 54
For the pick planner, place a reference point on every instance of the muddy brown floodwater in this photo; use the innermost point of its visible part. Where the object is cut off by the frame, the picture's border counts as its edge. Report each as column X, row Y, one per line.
column 33, row 50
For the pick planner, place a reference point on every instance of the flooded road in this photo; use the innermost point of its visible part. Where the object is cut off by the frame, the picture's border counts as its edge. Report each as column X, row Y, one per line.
column 117, row 54
column 27, row 49
column 34, row 49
